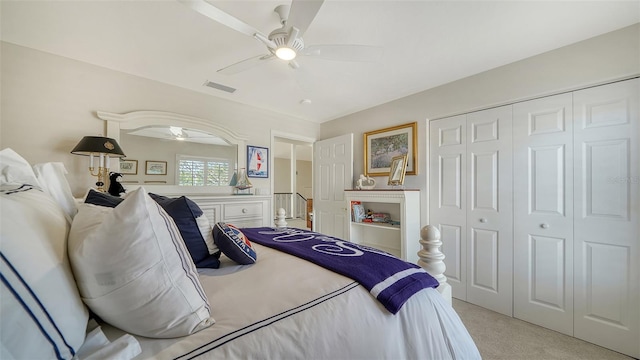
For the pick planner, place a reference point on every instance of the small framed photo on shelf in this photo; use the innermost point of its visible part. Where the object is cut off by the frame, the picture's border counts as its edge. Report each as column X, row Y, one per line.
column 155, row 167
column 129, row 167
column 257, row 162
column 397, row 170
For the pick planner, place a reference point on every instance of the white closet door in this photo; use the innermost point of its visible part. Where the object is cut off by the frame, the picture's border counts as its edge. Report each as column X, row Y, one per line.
column 543, row 212
column 489, row 210
column 447, row 206
column 607, row 236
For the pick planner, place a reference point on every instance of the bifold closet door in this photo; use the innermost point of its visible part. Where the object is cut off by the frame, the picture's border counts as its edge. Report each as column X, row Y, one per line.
column 489, row 210
column 447, row 206
column 543, row 212
column 607, row 216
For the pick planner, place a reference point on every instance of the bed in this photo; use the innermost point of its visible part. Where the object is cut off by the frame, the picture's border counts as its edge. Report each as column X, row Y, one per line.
column 280, row 307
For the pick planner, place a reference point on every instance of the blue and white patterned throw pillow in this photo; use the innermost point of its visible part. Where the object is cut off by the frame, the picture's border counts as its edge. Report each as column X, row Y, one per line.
column 234, row 244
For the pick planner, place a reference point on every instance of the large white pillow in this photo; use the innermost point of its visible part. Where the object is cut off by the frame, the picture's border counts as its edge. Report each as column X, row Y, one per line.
column 15, row 170
column 51, row 176
column 42, row 314
column 134, row 271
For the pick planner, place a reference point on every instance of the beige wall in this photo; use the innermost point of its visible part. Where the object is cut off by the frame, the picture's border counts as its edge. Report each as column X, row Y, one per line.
column 49, row 102
column 282, row 175
column 604, row 58
column 304, row 178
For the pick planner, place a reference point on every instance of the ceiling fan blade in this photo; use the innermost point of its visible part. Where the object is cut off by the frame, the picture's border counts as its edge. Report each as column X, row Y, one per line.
column 302, row 13
column 245, row 64
column 220, row 16
column 345, row 52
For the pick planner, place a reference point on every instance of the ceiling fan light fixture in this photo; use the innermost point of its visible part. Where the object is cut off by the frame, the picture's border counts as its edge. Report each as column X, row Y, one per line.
column 285, row 53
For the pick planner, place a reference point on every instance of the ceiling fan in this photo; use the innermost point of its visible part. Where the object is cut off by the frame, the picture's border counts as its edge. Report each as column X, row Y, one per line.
column 178, row 133
column 286, row 42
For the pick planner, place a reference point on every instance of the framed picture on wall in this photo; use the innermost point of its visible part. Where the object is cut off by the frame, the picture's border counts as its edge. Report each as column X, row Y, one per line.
column 381, row 146
column 128, row 167
column 156, row 167
column 257, row 161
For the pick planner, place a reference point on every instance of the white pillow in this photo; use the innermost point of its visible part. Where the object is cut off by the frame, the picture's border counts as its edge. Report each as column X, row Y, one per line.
column 42, row 314
column 51, row 177
column 15, row 170
column 134, row 271
column 207, row 233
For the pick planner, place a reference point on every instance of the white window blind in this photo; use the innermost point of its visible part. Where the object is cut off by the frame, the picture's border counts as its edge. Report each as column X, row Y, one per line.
column 197, row 171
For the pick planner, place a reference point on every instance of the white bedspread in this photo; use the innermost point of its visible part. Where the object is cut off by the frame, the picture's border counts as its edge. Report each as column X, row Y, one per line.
column 283, row 307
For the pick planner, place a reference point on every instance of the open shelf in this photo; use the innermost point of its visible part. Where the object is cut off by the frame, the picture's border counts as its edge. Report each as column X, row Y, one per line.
column 403, row 206
column 377, row 225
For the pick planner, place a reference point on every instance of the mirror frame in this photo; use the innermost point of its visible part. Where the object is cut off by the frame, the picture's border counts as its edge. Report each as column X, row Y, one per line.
column 136, row 119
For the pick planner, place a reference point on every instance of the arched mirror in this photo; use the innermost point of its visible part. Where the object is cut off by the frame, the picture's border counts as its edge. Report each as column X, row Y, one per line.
column 174, row 153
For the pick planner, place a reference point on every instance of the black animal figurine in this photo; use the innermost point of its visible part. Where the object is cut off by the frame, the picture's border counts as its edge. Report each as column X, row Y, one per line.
column 115, row 188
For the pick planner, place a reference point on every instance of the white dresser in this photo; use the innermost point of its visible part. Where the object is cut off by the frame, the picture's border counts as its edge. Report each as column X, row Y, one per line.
column 241, row 211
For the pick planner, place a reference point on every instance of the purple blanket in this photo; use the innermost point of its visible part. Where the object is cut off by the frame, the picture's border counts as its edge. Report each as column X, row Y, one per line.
column 389, row 279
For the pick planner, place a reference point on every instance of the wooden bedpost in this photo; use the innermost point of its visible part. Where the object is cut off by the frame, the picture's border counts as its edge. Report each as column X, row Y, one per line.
column 431, row 258
column 280, row 218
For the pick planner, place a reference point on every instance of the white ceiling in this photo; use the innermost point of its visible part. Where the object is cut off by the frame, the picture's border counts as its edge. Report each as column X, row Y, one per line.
column 426, row 44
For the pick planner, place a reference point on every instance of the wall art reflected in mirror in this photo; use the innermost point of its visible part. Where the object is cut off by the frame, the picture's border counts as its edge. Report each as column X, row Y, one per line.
column 189, row 157
column 201, row 155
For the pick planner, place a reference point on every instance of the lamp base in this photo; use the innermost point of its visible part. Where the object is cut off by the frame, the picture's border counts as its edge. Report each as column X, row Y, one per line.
column 101, row 175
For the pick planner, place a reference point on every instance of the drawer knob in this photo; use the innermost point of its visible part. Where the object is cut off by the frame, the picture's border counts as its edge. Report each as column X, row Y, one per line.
column 544, row 226
column 483, row 220
column 244, row 211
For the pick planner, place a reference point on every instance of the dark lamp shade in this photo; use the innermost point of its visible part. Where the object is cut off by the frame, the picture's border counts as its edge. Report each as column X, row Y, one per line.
column 96, row 145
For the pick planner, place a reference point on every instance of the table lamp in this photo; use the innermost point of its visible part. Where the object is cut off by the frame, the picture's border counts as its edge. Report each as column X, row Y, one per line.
column 103, row 147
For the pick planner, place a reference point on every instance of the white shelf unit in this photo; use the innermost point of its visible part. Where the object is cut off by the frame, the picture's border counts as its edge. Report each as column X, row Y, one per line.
column 403, row 206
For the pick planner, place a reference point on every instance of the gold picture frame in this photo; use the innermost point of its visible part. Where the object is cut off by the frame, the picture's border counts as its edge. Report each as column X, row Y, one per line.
column 128, row 167
column 397, row 170
column 381, row 146
column 153, row 167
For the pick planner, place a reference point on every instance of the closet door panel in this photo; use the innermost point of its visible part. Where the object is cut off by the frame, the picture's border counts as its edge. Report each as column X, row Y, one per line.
column 543, row 212
column 489, row 209
column 447, row 182
column 607, row 225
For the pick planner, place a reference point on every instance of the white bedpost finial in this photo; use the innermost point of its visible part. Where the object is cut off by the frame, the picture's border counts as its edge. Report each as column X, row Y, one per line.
column 280, row 218
column 431, row 258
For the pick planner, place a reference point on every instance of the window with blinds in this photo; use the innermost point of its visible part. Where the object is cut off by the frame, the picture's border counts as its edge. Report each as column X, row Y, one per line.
column 195, row 171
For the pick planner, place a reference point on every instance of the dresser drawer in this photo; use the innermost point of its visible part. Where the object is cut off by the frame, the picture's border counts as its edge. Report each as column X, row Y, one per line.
column 242, row 211
column 212, row 212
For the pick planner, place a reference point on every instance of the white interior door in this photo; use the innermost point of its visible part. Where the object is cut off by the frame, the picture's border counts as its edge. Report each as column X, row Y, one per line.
column 607, row 213
column 543, row 212
column 332, row 174
column 489, row 210
column 447, row 207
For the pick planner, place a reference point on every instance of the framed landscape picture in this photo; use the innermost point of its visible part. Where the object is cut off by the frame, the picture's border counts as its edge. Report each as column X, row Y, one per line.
column 257, row 161
column 156, row 167
column 128, row 167
column 381, row 146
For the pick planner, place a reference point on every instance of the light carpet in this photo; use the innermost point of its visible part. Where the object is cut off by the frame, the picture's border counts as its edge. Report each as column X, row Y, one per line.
column 501, row 337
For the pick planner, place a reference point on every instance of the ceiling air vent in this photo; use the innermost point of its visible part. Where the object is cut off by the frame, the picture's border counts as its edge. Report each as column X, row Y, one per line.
column 211, row 84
